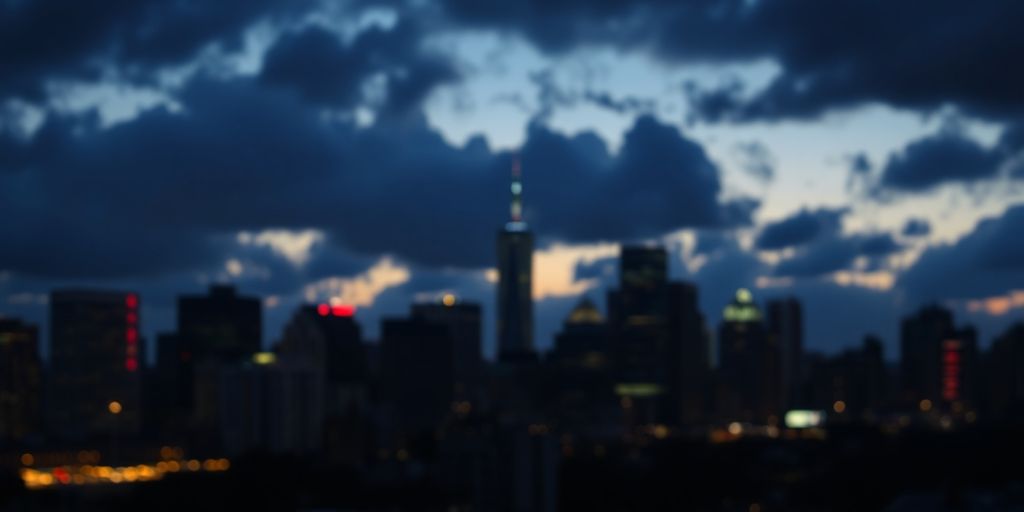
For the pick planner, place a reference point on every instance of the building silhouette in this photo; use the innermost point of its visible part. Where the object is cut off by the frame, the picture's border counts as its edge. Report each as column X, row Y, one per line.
column 853, row 385
column 271, row 406
column 464, row 324
column 748, row 364
column 328, row 340
column 786, row 326
column 215, row 330
column 690, row 337
column 95, row 352
column 515, row 281
column 1004, row 367
column 581, row 364
column 938, row 361
column 20, row 380
column 417, row 374
column 659, row 342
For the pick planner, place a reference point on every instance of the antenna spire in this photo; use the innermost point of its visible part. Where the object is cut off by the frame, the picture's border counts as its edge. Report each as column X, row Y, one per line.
column 517, row 190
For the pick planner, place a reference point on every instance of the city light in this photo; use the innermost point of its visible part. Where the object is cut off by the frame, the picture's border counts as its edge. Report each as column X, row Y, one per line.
column 264, row 358
column 114, row 407
column 35, row 478
column 637, row 389
column 798, row 418
column 448, row 300
column 344, row 310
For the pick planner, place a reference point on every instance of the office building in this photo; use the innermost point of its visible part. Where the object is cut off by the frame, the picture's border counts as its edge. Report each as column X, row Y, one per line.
column 748, row 364
column 20, row 380
column 785, row 325
column 463, row 321
column 95, row 354
column 515, row 282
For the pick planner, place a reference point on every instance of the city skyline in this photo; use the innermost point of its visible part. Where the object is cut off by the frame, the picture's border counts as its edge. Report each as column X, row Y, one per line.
column 361, row 152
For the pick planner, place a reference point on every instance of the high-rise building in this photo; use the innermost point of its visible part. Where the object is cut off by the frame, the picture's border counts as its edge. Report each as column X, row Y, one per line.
column 20, row 380
column 328, row 339
column 214, row 330
column 748, row 364
column 220, row 325
column 938, row 361
column 1005, row 369
column 852, row 384
column 644, row 360
column 659, row 342
column 417, row 373
column 95, row 353
column 271, row 406
column 785, row 324
column 691, row 339
column 582, row 365
column 464, row 326
column 515, row 281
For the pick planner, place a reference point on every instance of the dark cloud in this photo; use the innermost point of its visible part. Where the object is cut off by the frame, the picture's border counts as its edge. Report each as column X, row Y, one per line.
column 878, row 244
column 600, row 268
column 850, row 53
column 833, row 253
column 710, row 242
column 163, row 191
column 45, row 41
column 801, row 228
column 327, row 72
column 756, row 160
column 987, row 261
column 917, row 227
column 859, row 172
column 624, row 105
column 835, row 55
column 821, row 257
column 946, row 157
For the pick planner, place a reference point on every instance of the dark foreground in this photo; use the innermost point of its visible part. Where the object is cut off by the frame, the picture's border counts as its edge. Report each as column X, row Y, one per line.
column 856, row 469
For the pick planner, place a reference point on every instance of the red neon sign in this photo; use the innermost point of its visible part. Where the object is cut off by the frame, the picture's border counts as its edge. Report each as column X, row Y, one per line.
column 323, row 309
column 343, row 310
column 951, row 370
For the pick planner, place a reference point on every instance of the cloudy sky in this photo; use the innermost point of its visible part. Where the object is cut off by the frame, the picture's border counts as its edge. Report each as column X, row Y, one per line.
column 865, row 156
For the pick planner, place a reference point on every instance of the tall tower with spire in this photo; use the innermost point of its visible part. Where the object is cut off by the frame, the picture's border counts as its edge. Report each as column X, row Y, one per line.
column 515, row 280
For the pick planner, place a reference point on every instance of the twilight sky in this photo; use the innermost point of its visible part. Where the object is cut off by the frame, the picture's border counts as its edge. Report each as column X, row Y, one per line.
column 864, row 156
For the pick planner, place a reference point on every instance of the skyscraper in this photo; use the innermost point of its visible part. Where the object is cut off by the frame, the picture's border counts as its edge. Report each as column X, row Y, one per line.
column 640, row 339
column 691, row 344
column 515, row 280
column 584, row 399
column 328, row 339
column 748, row 363
column 95, row 354
column 463, row 322
column 220, row 325
column 1005, row 370
column 20, row 375
column 937, row 359
column 785, row 325
column 659, row 343
column 417, row 375
column 215, row 330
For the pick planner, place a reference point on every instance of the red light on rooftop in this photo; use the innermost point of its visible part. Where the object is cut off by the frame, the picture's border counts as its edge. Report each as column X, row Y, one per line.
column 131, row 300
column 131, row 364
column 323, row 309
column 343, row 310
column 131, row 335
